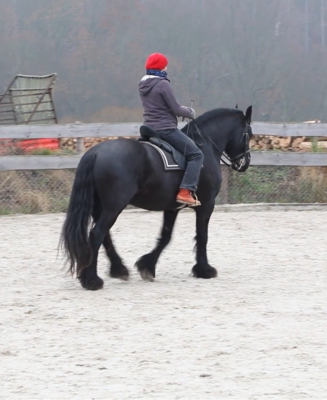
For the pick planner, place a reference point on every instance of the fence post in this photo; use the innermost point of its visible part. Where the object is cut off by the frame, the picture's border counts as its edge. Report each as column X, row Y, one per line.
column 80, row 148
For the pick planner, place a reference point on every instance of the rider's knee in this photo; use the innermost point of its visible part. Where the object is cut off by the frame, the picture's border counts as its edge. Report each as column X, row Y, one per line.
column 199, row 155
column 196, row 154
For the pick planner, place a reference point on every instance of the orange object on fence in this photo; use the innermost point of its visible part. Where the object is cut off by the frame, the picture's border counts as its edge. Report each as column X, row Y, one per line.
column 36, row 144
column 7, row 145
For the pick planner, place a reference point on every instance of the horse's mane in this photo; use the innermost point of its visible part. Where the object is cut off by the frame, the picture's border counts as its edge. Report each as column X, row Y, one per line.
column 217, row 113
column 207, row 117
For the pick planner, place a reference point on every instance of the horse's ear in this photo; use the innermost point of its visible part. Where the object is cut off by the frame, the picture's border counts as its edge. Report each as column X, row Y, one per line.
column 248, row 115
column 236, row 106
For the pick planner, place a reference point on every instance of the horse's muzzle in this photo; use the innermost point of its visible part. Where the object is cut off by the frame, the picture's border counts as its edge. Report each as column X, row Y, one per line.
column 243, row 163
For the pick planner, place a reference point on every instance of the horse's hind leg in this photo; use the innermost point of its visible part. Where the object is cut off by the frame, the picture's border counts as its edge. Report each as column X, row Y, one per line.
column 105, row 213
column 89, row 278
column 146, row 265
column 117, row 268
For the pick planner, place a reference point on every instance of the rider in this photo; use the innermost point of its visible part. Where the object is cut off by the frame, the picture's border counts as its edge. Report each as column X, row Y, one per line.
column 160, row 113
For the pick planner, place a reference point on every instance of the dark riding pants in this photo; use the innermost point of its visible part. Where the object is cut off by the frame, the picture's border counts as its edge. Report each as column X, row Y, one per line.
column 193, row 154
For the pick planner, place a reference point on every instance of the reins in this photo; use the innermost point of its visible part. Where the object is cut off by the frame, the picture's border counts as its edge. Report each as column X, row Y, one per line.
column 222, row 153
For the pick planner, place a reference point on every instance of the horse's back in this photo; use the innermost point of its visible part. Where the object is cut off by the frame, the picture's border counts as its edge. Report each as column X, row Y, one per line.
column 116, row 156
column 122, row 155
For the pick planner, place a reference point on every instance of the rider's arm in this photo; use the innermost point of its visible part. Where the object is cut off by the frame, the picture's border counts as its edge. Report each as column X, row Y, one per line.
column 169, row 96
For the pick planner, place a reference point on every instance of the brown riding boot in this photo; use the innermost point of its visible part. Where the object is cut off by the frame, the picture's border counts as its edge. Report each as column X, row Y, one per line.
column 185, row 197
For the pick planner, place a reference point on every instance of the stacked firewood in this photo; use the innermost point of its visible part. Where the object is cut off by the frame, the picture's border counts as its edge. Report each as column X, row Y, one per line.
column 262, row 142
column 258, row 142
column 71, row 144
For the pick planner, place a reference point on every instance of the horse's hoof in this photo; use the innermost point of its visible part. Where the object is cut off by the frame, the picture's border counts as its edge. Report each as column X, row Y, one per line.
column 124, row 278
column 146, row 275
column 91, row 283
column 121, row 277
column 121, row 273
column 204, row 272
column 146, row 266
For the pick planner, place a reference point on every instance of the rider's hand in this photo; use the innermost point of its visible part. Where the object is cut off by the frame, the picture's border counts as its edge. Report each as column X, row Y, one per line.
column 192, row 112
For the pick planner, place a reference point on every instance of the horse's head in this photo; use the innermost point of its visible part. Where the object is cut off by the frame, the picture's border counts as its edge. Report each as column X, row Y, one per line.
column 238, row 145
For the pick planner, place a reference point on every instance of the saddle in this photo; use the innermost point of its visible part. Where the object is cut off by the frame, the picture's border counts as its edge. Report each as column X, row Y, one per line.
column 172, row 158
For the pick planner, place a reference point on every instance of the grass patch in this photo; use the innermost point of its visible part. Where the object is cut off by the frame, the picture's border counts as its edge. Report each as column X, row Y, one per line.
column 29, row 192
column 278, row 185
column 49, row 152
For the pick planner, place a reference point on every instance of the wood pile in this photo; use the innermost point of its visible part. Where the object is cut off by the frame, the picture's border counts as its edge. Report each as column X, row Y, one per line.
column 262, row 142
column 309, row 146
column 258, row 142
column 71, row 144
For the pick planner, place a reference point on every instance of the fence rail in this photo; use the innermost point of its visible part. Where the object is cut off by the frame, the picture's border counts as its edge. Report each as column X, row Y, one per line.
column 259, row 158
column 81, row 131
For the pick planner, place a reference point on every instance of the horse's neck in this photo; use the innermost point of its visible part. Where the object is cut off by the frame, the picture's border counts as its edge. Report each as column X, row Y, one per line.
column 215, row 141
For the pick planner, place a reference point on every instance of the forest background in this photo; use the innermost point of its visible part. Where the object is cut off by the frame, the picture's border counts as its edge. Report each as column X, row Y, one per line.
column 268, row 53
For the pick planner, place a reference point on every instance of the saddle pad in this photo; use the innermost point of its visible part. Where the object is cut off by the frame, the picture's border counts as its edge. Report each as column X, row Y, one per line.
column 167, row 158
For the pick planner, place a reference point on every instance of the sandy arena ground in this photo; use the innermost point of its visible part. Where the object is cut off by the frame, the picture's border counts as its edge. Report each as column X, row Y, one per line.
column 259, row 331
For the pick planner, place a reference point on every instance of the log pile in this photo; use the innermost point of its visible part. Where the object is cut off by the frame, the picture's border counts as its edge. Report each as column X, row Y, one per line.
column 262, row 142
column 258, row 142
column 71, row 144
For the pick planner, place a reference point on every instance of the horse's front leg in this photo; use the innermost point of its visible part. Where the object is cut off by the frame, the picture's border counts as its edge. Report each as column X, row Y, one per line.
column 202, row 269
column 146, row 265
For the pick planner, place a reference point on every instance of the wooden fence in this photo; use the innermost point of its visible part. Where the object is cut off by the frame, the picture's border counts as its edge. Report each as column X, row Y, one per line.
column 81, row 131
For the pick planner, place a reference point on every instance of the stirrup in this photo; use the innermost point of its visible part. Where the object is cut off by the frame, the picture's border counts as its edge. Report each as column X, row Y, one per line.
column 197, row 202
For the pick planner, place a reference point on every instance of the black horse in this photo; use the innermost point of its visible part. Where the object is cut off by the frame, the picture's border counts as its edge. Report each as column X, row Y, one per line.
column 114, row 174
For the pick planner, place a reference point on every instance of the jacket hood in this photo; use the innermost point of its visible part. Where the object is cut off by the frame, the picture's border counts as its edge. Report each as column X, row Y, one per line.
column 147, row 83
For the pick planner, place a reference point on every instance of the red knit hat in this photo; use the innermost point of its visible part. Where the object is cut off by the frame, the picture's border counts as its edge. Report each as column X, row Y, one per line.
column 156, row 61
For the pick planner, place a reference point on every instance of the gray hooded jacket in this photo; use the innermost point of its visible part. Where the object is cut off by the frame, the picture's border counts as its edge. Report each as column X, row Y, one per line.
column 160, row 105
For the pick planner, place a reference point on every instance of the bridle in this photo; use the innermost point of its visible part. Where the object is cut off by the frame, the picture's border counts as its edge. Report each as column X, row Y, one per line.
column 233, row 161
column 246, row 155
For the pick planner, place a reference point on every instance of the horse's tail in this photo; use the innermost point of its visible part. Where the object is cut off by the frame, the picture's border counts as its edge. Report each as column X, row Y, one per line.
column 75, row 232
